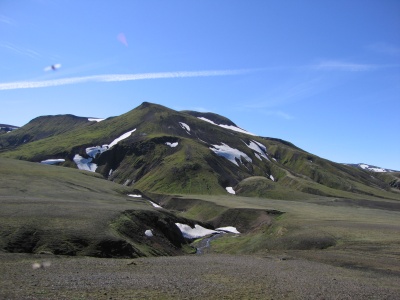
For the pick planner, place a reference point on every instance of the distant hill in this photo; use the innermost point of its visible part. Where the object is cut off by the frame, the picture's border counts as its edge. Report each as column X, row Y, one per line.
column 5, row 128
column 160, row 150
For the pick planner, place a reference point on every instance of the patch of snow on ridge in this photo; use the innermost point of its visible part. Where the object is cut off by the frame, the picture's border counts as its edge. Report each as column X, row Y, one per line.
column 229, row 153
column 373, row 169
column 194, row 233
column 122, row 137
column 172, row 145
column 52, row 161
column 207, row 120
column 84, row 163
column 95, row 120
column 231, row 127
column 230, row 190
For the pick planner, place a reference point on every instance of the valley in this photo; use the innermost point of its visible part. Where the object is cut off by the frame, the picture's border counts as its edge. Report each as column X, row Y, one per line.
column 119, row 208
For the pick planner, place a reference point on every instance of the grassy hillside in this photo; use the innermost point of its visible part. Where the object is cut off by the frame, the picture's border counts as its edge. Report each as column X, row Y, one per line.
column 66, row 211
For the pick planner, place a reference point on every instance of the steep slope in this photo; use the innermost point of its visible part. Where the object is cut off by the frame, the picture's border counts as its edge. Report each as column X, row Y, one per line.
column 156, row 149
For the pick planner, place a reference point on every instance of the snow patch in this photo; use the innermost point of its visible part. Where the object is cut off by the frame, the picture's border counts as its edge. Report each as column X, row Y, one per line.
column 185, row 127
column 229, row 153
column 231, row 127
column 259, row 149
column 95, row 120
column 149, row 233
column 272, row 177
column 172, row 145
column 155, row 204
column 229, row 229
column 230, row 190
column 135, row 195
column 96, row 150
column 53, row 161
column 84, row 163
column 373, row 168
column 194, row 233
column 92, row 152
column 122, row 137
column 199, row 231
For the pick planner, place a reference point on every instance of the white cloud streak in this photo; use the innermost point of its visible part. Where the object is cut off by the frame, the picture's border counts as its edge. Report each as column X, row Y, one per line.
column 116, row 78
column 279, row 113
column 20, row 50
column 6, row 20
column 343, row 66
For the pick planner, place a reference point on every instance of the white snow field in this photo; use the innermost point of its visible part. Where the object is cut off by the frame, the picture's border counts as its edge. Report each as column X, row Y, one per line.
column 199, row 231
column 86, row 163
column 229, row 153
column 259, row 149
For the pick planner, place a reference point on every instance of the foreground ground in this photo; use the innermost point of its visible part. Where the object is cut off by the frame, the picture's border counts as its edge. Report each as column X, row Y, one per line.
column 208, row 276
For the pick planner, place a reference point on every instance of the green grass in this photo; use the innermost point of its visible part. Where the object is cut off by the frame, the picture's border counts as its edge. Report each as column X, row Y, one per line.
column 66, row 211
column 307, row 224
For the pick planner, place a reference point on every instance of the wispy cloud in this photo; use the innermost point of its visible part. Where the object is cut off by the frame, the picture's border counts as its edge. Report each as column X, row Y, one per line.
column 117, row 77
column 20, row 50
column 6, row 20
column 385, row 48
column 336, row 65
column 279, row 114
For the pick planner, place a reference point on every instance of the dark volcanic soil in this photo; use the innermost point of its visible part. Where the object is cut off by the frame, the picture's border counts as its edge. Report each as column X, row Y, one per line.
column 276, row 276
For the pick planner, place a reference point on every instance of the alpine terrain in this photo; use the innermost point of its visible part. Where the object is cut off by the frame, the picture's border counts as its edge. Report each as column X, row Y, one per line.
column 155, row 182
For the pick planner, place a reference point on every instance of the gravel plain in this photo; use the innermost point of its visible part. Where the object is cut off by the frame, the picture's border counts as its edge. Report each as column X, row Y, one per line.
column 208, row 276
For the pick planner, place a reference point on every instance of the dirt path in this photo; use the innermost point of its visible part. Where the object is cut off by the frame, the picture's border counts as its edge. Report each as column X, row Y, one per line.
column 187, row 277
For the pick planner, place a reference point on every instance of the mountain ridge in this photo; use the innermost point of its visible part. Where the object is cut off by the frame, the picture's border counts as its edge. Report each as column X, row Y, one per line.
column 161, row 150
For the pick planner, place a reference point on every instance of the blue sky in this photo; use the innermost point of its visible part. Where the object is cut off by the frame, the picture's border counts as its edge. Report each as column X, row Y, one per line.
column 324, row 75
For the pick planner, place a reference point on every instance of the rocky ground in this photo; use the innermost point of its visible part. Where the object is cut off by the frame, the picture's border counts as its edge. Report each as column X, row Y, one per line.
column 208, row 276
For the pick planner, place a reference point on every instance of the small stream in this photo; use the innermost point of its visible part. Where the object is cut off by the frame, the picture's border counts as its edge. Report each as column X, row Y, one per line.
column 205, row 243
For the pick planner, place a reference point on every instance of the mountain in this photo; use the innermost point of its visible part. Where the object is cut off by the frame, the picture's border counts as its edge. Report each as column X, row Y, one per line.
column 159, row 150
